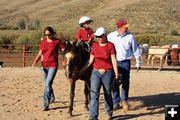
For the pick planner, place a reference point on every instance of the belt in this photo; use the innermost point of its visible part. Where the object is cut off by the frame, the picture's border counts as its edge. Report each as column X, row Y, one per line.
column 101, row 71
column 127, row 60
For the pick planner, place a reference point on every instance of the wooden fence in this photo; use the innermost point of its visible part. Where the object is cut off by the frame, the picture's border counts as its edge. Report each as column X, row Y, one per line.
column 17, row 55
column 23, row 56
column 13, row 55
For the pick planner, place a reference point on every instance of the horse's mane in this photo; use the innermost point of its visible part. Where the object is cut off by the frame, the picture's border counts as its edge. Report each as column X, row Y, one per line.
column 80, row 56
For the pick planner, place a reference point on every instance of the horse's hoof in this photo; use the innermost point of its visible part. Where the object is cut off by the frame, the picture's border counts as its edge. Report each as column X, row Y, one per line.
column 87, row 108
column 70, row 113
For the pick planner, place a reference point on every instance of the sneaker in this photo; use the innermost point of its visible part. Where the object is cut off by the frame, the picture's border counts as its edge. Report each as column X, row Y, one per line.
column 116, row 106
column 52, row 100
column 108, row 117
column 45, row 109
column 125, row 105
column 90, row 118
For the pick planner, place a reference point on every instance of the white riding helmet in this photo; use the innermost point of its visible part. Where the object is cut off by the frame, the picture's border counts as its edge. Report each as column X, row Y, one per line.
column 100, row 31
column 84, row 19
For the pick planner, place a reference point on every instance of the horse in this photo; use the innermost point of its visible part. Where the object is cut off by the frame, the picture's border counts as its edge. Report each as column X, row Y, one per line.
column 158, row 52
column 76, row 56
column 144, row 49
column 175, row 54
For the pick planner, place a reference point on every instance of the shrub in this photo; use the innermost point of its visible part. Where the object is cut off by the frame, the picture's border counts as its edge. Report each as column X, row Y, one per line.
column 23, row 40
column 21, row 24
column 174, row 32
column 4, row 26
column 37, row 24
column 154, row 42
column 69, row 35
column 7, row 38
column 141, row 39
column 154, row 39
column 35, row 38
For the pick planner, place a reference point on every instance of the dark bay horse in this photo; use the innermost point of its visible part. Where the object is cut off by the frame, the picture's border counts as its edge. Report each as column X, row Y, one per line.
column 76, row 56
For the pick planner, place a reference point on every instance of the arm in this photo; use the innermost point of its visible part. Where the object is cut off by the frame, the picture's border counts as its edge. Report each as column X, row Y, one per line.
column 78, row 36
column 61, row 46
column 79, row 40
column 38, row 56
column 62, row 49
column 91, row 59
column 136, row 52
column 91, row 35
column 91, row 38
column 115, row 66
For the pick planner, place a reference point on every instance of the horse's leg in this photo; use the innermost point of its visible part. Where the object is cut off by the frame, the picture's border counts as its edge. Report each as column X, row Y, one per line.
column 148, row 61
column 152, row 62
column 86, row 93
column 161, row 62
column 72, row 89
column 166, row 59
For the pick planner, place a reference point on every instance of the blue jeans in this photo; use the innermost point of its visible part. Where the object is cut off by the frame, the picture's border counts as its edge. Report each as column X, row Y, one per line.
column 124, row 69
column 48, row 74
column 98, row 80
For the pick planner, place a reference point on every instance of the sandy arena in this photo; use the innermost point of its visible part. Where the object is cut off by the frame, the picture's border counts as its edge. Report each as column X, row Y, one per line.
column 22, row 89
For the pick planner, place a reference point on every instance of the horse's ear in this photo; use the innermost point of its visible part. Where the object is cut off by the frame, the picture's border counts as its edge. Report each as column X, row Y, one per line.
column 67, row 43
column 74, row 43
column 67, row 46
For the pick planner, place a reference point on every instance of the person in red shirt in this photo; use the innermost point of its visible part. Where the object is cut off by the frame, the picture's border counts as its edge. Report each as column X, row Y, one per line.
column 103, row 57
column 48, row 53
column 85, row 33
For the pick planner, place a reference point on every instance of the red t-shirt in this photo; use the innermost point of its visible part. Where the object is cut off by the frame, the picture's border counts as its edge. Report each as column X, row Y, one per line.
column 102, row 55
column 85, row 34
column 50, row 52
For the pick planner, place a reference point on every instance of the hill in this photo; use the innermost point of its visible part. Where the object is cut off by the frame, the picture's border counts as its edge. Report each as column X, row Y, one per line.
column 153, row 16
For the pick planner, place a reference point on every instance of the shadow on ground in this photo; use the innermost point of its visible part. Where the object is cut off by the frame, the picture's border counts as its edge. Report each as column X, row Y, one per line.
column 151, row 103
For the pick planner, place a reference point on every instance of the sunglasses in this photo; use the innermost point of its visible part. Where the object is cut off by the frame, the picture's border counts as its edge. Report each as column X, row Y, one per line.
column 99, row 36
column 47, row 34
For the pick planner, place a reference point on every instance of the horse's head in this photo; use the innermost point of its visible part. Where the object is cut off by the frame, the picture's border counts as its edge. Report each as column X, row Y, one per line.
column 75, row 58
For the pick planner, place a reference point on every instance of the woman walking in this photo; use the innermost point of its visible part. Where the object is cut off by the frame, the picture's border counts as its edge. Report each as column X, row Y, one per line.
column 104, row 62
column 48, row 53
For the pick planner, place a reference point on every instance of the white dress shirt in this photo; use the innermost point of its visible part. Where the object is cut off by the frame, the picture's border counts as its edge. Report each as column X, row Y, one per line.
column 126, row 46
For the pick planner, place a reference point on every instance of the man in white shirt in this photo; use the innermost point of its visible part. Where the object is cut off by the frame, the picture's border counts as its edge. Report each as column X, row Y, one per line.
column 126, row 46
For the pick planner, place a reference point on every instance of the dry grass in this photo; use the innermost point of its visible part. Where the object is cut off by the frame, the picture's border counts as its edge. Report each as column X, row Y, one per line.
column 155, row 16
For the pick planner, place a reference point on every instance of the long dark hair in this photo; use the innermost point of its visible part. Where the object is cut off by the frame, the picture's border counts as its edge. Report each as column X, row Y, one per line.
column 53, row 33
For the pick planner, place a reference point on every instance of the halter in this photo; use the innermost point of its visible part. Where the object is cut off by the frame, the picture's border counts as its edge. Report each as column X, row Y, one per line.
column 81, row 43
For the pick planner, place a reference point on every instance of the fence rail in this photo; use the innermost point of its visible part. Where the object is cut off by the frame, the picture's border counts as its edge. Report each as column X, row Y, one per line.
column 24, row 55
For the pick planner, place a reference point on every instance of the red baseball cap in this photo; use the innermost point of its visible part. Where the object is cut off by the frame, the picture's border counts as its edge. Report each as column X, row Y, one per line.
column 122, row 23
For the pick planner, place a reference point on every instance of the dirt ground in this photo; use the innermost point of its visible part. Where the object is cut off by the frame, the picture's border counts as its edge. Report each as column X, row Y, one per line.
column 21, row 91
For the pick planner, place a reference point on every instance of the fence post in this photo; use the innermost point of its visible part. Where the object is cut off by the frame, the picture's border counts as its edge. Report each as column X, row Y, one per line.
column 24, row 55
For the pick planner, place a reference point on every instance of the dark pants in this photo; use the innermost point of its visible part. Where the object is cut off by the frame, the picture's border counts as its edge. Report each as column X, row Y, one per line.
column 124, row 69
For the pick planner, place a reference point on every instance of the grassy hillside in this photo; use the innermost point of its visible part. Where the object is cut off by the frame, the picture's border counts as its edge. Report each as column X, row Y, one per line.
column 144, row 16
